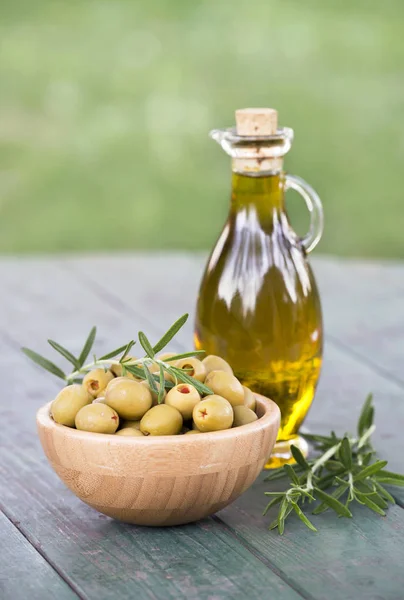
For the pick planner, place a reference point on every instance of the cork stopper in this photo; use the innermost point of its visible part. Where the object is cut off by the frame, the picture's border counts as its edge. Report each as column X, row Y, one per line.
column 256, row 121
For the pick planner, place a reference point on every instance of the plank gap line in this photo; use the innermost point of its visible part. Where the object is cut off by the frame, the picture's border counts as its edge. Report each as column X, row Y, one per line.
column 262, row 558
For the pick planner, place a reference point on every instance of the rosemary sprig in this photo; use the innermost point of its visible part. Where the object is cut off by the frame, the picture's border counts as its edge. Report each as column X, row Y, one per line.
column 138, row 367
column 344, row 468
column 89, row 343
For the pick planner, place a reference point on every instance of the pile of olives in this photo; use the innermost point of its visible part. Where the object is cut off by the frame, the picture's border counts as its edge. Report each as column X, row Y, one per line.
column 109, row 401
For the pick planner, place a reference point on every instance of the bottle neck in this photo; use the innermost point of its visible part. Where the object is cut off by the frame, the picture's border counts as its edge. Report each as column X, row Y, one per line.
column 262, row 195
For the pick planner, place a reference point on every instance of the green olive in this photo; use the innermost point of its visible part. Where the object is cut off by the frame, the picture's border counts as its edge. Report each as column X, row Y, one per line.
column 192, row 431
column 192, row 367
column 214, row 413
column 99, row 399
column 243, row 416
column 161, row 420
column 101, row 393
column 226, row 385
column 98, row 418
column 153, row 394
column 114, row 381
column 249, row 398
column 183, row 397
column 216, row 363
column 130, row 399
column 117, row 370
column 130, row 432
column 154, row 367
column 67, row 404
column 96, row 381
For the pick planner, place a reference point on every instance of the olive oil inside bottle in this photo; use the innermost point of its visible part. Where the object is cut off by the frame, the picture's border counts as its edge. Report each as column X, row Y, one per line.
column 258, row 305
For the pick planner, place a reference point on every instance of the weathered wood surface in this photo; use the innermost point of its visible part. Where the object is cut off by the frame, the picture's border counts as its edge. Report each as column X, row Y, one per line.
column 232, row 555
column 24, row 573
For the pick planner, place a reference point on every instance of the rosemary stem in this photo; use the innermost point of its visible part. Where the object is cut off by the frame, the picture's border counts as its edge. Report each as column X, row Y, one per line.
column 109, row 361
column 325, row 457
column 99, row 362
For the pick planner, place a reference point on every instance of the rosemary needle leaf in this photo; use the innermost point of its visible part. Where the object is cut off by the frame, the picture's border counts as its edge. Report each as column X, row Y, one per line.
column 273, row 524
column 44, row 363
column 183, row 376
column 160, row 396
column 282, row 515
column 377, row 499
column 383, row 492
column 273, row 502
column 303, row 517
column 305, row 493
column 334, row 465
column 393, row 479
column 114, row 353
column 87, row 346
column 366, row 416
column 168, row 336
column 345, row 453
column 147, row 347
column 369, row 503
column 367, row 458
column 291, row 474
column 184, row 355
column 364, row 440
column 390, row 475
column 370, row 470
column 65, row 353
column 281, row 523
column 338, row 492
column 318, row 439
column 135, row 370
column 127, row 349
column 333, row 503
column 299, row 458
column 326, row 481
column 138, row 371
column 150, row 380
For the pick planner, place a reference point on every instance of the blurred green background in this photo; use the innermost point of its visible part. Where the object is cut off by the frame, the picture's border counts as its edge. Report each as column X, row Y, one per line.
column 106, row 106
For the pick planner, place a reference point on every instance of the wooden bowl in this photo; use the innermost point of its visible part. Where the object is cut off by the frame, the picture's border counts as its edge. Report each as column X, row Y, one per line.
column 158, row 481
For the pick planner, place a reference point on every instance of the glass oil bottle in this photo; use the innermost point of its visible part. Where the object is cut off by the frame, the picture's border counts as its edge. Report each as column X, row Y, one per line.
column 258, row 304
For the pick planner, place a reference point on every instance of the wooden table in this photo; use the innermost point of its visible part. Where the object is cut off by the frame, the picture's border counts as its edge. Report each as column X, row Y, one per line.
column 54, row 546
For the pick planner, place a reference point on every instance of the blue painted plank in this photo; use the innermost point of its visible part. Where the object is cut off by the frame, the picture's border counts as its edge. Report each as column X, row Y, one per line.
column 24, row 573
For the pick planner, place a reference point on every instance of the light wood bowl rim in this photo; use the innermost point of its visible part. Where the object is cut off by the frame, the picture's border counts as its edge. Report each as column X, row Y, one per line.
column 269, row 418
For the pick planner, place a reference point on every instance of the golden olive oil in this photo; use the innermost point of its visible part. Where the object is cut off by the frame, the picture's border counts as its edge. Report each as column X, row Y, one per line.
column 258, row 304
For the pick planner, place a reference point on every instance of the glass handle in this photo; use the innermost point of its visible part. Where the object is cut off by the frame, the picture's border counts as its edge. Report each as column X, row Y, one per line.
column 315, row 207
